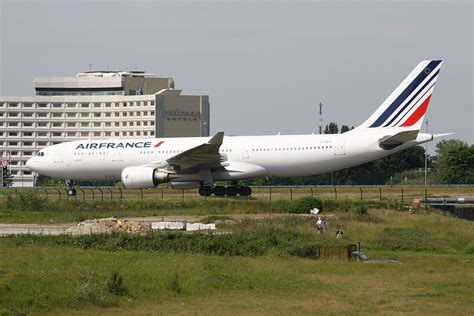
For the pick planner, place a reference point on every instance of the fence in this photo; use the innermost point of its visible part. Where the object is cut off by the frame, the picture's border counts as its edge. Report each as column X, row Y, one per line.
column 403, row 194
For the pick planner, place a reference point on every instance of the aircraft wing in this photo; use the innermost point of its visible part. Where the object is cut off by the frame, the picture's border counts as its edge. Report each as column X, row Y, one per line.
column 204, row 155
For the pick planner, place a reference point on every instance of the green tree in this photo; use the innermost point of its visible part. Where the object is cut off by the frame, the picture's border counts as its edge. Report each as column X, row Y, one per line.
column 331, row 128
column 455, row 162
column 7, row 177
column 344, row 128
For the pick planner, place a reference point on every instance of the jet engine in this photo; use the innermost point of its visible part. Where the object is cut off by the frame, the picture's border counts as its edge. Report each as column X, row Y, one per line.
column 143, row 177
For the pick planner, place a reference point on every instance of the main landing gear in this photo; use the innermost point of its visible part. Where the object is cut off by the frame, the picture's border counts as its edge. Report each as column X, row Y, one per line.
column 218, row 190
column 71, row 191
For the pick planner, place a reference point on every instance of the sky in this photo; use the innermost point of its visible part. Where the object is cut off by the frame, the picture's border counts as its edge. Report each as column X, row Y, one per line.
column 265, row 65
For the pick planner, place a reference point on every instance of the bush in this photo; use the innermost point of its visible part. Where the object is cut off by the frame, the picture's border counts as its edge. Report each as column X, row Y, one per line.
column 305, row 204
column 175, row 285
column 361, row 208
column 91, row 290
column 115, row 285
column 26, row 200
column 469, row 249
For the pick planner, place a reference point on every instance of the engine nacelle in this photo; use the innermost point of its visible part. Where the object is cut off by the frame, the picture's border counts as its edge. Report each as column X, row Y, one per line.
column 143, row 177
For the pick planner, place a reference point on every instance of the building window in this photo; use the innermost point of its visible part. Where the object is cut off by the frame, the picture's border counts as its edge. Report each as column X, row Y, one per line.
column 27, row 134
column 71, row 124
column 84, row 124
column 27, row 114
column 42, row 105
column 71, row 134
column 42, row 114
column 96, row 134
column 27, row 144
column 97, row 124
column 57, row 124
column 13, row 124
column 71, row 114
column 84, row 114
column 42, row 143
column 13, row 143
column 57, row 115
column 27, row 105
column 56, row 134
column 42, row 124
column 57, row 105
column 83, row 105
column 83, row 134
column 13, row 134
column 42, row 134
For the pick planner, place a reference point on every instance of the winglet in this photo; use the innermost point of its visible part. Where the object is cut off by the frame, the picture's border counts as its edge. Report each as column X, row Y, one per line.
column 217, row 139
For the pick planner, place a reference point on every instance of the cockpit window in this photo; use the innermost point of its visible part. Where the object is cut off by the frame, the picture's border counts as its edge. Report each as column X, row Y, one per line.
column 40, row 154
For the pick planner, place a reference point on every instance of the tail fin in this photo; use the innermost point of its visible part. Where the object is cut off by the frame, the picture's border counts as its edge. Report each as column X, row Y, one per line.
column 405, row 108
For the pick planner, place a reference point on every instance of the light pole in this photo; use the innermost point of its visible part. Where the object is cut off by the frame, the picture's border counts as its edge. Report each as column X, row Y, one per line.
column 426, row 166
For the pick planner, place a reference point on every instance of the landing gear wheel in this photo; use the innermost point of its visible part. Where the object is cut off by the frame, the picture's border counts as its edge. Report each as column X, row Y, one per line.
column 205, row 190
column 245, row 191
column 219, row 190
column 232, row 191
column 71, row 192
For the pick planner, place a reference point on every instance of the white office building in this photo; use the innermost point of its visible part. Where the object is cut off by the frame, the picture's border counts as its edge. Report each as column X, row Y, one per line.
column 95, row 105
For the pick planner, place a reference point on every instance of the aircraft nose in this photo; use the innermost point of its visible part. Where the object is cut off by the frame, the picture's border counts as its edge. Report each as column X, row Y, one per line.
column 29, row 163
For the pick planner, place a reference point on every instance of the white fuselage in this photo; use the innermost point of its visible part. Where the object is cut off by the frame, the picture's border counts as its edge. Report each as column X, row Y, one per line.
column 279, row 156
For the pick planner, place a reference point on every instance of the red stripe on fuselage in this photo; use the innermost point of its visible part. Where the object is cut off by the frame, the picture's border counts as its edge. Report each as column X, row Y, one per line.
column 159, row 144
column 415, row 117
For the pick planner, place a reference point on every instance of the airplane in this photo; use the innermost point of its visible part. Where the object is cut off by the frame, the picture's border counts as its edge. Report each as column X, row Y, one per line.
column 198, row 162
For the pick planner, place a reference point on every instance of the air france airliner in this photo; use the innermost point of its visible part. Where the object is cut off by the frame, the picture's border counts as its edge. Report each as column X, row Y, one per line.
column 198, row 162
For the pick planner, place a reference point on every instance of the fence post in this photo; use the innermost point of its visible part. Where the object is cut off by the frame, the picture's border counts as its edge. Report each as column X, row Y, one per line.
column 270, row 194
column 380, row 196
column 335, row 193
column 93, row 194
column 111, row 195
column 360, row 188
column 59, row 193
column 312, row 193
column 402, row 195
column 46, row 192
column 83, row 194
column 291, row 194
column 161, row 193
column 102, row 194
column 141, row 195
column 121, row 195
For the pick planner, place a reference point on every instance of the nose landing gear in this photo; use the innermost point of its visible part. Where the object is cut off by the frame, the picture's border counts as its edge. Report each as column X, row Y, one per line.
column 71, row 188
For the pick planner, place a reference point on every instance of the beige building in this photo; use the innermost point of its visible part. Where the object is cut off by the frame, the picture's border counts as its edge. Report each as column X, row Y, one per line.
column 95, row 105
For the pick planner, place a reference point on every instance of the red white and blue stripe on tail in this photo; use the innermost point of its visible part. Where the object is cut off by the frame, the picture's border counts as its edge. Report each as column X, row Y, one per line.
column 407, row 105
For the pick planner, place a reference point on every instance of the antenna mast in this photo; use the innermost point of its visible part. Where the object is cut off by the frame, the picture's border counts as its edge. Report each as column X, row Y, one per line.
column 320, row 117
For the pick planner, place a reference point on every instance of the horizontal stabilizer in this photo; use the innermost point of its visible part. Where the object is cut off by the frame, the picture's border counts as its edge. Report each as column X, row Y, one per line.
column 391, row 141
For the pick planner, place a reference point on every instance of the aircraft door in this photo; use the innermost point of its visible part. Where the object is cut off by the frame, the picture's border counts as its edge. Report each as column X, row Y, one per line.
column 245, row 152
column 340, row 145
column 117, row 157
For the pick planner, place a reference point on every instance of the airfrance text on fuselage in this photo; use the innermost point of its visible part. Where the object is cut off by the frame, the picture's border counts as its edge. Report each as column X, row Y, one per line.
column 114, row 145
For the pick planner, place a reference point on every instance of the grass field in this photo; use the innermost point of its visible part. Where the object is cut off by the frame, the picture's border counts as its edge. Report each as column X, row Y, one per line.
column 59, row 275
